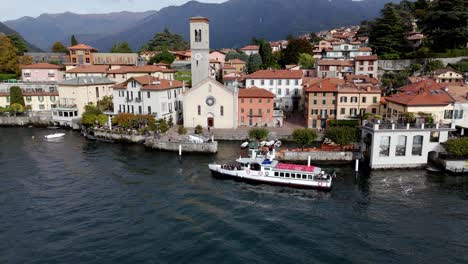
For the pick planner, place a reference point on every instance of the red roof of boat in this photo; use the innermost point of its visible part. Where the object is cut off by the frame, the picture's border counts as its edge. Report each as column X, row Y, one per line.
column 295, row 167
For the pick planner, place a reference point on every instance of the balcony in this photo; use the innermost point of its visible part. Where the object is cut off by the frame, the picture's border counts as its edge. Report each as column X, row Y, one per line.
column 277, row 113
column 138, row 100
column 128, row 100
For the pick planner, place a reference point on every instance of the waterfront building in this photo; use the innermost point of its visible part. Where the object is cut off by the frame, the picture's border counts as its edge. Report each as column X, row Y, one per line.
column 124, row 73
column 76, row 93
column 87, row 70
column 41, row 72
column 256, row 108
column 35, row 101
column 320, row 101
column 251, row 49
column 357, row 99
column 208, row 103
column 402, row 146
column 285, row 84
column 421, row 97
column 149, row 95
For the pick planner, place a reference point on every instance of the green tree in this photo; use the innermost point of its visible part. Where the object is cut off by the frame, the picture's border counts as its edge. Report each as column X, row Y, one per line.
column 258, row 133
column 433, row 65
column 461, row 66
column 73, row 40
column 167, row 41
column 164, row 56
column 106, row 103
column 58, row 47
column 8, row 56
column 16, row 108
column 198, row 129
column 445, row 22
column 457, row 146
column 121, row 47
column 342, row 135
column 93, row 116
column 19, row 43
column 306, row 61
column 16, row 96
column 296, row 46
column 255, row 63
column 304, row 136
column 386, row 34
column 266, row 54
column 237, row 55
column 182, row 130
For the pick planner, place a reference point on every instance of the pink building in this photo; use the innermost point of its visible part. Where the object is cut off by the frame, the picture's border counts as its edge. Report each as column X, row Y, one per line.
column 41, row 72
column 218, row 56
column 256, row 107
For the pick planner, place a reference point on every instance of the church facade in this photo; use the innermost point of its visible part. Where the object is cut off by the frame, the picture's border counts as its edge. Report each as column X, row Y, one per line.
column 208, row 103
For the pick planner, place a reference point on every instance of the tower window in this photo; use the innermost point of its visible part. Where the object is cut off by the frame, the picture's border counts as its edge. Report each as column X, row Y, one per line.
column 197, row 35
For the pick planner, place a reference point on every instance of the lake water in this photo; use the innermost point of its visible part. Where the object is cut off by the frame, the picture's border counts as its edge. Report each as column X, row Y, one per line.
column 78, row 201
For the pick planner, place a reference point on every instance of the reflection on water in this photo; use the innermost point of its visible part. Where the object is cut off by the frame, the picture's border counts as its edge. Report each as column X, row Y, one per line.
column 92, row 202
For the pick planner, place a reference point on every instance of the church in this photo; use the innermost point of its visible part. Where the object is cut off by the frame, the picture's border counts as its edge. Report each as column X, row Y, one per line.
column 208, row 103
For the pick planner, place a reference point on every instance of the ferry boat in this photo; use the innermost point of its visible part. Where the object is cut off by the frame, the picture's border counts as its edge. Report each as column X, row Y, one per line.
column 262, row 167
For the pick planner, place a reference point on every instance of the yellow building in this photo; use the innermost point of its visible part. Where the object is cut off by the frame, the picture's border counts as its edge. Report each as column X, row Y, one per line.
column 355, row 100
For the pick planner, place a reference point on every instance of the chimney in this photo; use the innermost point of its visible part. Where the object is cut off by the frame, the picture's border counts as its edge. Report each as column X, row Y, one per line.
column 369, row 88
column 446, row 89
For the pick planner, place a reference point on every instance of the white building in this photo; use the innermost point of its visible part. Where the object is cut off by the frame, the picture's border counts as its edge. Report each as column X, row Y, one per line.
column 124, row 73
column 346, row 51
column 251, row 49
column 285, row 84
column 200, row 46
column 366, row 65
column 393, row 146
column 148, row 95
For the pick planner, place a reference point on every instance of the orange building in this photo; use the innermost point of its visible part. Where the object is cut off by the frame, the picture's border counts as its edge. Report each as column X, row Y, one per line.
column 256, row 107
column 81, row 54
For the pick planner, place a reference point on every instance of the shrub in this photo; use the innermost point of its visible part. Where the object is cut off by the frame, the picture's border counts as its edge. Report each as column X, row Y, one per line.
column 16, row 108
column 342, row 135
column 16, row 96
column 351, row 123
column 198, row 129
column 304, row 136
column 457, row 146
column 182, row 130
column 258, row 133
column 127, row 121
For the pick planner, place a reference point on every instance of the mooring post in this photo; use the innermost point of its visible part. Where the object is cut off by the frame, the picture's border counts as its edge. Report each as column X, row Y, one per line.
column 356, row 167
column 308, row 161
column 180, row 150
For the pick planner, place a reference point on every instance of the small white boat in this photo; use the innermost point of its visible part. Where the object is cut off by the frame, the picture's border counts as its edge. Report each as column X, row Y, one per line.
column 245, row 144
column 270, row 143
column 195, row 139
column 56, row 135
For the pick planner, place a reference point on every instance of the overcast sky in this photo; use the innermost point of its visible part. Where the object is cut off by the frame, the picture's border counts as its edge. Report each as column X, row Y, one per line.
column 13, row 9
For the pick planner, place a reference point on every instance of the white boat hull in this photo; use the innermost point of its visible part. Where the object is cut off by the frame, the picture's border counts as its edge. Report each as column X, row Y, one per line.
column 56, row 135
column 265, row 177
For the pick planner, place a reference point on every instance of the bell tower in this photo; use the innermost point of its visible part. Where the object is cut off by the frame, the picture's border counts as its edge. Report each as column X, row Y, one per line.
column 200, row 47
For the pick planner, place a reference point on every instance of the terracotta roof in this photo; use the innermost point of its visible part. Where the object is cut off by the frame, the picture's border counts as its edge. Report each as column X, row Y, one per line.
column 323, row 85
column 82, row 47
column 255, row 92
column 229, row 67
column 445, row 70
column 275, row 74
column 360, row 78
column 335, row 63
column 366, row 58
column 215, row 61
column 236, row 61
column 365, row 49
column 89, row 69
column 233, row 77
column 426, row 83
column 459, row 93
column 41, row 65
column 199, row 19
column 355, row 88
column 414, row 79
column 140, row 69
column 424, row 97
column 151, row 83
column 251, row 47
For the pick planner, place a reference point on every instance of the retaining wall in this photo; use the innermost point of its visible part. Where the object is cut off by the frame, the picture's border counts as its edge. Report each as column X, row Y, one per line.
column 139, row 139
column 39, row 120
column 316, row 155
column 399, row 65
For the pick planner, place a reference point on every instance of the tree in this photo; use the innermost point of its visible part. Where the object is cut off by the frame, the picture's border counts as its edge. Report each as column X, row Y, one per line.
column 73, row 40
column 16, row 96
column 432, row 65
column 445, row 22
column 164, row 56
column 167, row 41
column 16, row 109
column 58, row 47
column 255, row 63
column 182, row 130
column 198, row 129
column 296, row 46
column 342, row 135
column 266, row 54
column 8, row 57
column 457, row 146
column 24, row 60
column 19, row 43
column 304, row 136
column 93, row 116
column 237, row 55
column 314, row 39
column 306, row 61
column 258, row 133
column 106, row 103
column 121, row 47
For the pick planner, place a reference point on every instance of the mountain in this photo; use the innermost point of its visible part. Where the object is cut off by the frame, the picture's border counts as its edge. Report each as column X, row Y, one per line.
column 49, row 28
column 233, row 23
column 8, row 31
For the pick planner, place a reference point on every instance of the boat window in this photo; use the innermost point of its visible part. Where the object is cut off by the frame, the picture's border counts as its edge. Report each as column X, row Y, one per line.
column 281, row 174
column 287, row 175
column 309, row 177
column 276, row 174
column 304, row 176
column 293, row 175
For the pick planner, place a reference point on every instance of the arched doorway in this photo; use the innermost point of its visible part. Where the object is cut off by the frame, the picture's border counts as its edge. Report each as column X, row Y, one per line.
column 210, row 120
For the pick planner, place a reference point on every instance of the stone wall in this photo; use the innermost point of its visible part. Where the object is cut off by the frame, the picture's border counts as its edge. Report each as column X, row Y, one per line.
column 316, row 156
column 34, row 120
column 456, row 166
column 399, row 65
column 139, row 139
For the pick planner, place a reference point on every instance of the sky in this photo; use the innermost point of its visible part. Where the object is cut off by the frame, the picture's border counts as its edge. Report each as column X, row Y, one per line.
column 13, row 9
